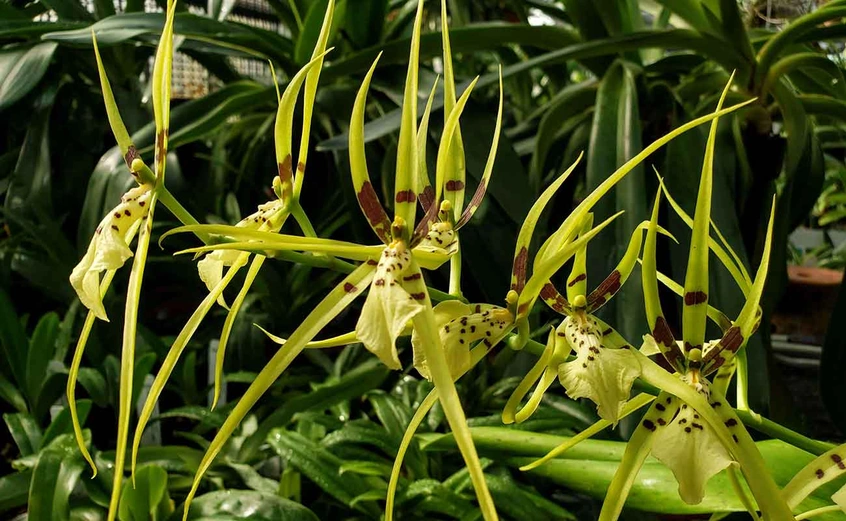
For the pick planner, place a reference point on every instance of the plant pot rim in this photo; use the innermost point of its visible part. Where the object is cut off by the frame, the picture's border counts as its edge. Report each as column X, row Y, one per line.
column 814, row 276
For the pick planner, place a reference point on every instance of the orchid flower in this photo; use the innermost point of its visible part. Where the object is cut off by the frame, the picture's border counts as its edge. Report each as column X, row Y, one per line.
column 109, row 248
column 392, row 271
column 269, row 218
column 690, row 426
column 604, row 368
column 554, row 253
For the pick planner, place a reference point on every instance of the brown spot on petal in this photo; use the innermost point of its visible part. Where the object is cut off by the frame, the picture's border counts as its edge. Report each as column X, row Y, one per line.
column 427, row 197
column 519, row 269
column 454, row 186
column 649, row 425
column 413, row 276
column 732, row 339
column 820, row 473
column 605, row 290
column 660, row 407
column 522, row 308
column 839, row 461
column 130, row 156
column 374, row 212
column 117, row 215
column 348, row 287
column 576, row 280
column 731, row 422
column 285, row 169
column 661, row 422
column 300, row 166
column 405, row 196
column 418, row 296
column 661, row 332
column 692, row 298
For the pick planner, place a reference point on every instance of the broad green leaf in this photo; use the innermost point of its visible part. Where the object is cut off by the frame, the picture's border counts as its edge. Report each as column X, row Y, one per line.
column 53, row 479
column 148, row 498
column 25, row 431
column 12, row 395
column 365, row 22
column 614, row 140
column 320, row 466
column 62, row 423
column 230, row 505
column 42, row 345
column 14, row 490
column 13, row 341
column 21, row 70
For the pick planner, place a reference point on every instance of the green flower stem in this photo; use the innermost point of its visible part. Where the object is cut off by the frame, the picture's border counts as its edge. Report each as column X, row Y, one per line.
column 455, row 274
column 773, row 429
column 169, row 201
column 763, row 487
column 302, row 219
column 818, row 511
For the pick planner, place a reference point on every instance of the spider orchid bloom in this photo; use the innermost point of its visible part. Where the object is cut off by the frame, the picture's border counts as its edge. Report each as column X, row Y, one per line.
column 604, row 368
column 109, row 248
column 391, row 271
column 690, row 426
column 269, row 218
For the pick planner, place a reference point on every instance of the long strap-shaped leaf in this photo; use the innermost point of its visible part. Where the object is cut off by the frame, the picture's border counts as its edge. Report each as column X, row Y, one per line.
column 405, row 191
column 336, row 301
column 310, row 93
column 283, row 130
column 479, row 195
column 658, row 326
column 366, row 195
column 696, row 277
column 750, row 315
column 520, row 264
column 175, row 352
column 451, row 180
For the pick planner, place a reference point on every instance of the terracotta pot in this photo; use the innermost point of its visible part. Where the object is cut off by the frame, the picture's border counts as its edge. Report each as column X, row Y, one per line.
column 806, row 307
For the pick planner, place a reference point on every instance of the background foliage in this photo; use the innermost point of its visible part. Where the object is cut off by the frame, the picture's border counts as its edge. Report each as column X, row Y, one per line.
column 603, row 77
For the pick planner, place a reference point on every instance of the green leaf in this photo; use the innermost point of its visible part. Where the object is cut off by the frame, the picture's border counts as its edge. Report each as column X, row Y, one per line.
column 12, row 395
column 231, row 505
column 21, row 70
column 365, row 21
column 41, row 349
column 25, row 432
column 12, row 340
column 53, row 479
column 62, row 423
column 14, row 490
column 320, row 466
column 217, row 37
column 148, row 499
column 616, row 138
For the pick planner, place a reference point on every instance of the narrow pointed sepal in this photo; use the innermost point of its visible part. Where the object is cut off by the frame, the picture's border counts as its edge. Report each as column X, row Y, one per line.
column 109, row 248
column 397, row 295
column 599, row 373
column 690, row 449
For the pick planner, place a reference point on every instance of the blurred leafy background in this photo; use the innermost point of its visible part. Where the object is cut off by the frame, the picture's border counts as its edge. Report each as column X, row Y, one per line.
column 604, row 77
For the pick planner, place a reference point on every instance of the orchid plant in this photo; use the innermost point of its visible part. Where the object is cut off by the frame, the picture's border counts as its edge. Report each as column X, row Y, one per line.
column 689, row 425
